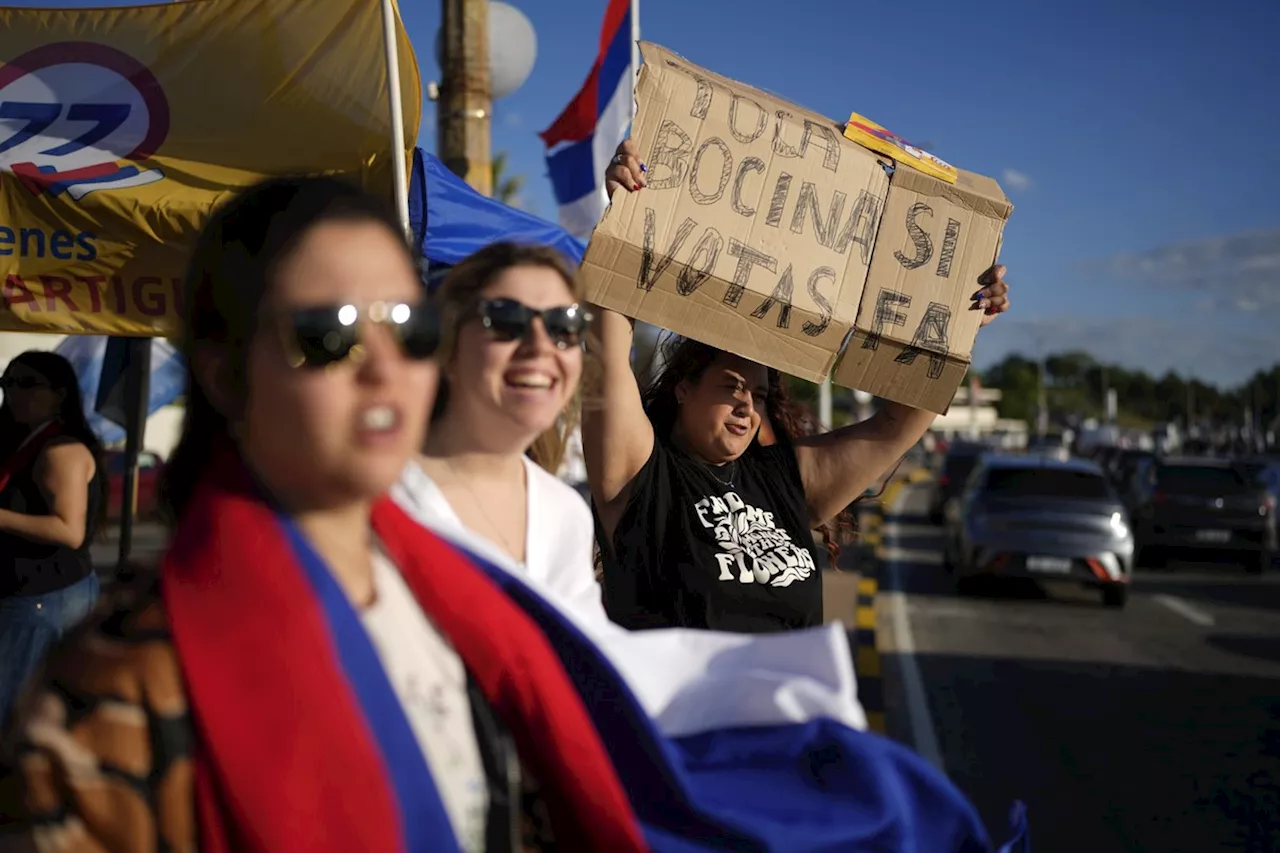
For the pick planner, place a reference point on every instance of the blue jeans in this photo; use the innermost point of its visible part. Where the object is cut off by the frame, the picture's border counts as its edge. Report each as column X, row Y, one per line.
column 30, row 625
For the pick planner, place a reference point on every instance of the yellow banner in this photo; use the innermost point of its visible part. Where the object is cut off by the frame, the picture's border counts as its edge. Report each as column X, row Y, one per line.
column 121, row 128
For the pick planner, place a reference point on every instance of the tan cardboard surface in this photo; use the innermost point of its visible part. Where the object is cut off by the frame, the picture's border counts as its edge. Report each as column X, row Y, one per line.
column 756, row 230
column 915, row 328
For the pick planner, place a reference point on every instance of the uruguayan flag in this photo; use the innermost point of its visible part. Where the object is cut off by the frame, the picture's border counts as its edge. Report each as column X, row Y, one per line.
column 741, row 742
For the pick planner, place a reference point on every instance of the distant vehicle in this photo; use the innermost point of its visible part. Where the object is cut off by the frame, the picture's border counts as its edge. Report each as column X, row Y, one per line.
column 1027, row 516
column 956, row 466
column 1197, row 503
column 150, row 467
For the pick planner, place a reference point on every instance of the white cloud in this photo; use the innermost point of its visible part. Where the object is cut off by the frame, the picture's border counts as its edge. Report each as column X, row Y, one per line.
column 1237, row 271
column 1017, row 181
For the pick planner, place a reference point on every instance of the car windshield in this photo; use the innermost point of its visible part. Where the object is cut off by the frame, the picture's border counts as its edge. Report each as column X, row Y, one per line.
column 1046, row 483
column 1200, row 479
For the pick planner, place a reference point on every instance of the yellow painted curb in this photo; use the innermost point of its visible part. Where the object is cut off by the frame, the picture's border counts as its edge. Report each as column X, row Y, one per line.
column 867, row 586
column 875, row 721
column 866, row 618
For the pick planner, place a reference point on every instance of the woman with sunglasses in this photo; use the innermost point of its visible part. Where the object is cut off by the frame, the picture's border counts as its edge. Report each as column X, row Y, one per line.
column 511, row 365
column 311, row 670
column 52, row 494
column 705, row 526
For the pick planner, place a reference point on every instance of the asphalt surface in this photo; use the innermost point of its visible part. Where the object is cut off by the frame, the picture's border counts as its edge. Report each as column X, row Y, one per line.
column 1155, row 728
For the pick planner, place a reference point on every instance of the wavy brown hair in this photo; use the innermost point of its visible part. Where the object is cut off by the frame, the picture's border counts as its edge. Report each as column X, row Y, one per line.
column 683, row 358
column 458, row 296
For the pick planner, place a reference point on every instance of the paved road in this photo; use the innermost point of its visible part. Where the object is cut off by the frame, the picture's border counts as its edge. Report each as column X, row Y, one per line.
column 1152, row 729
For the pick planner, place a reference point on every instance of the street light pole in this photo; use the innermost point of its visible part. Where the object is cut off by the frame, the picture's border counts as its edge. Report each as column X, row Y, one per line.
column 465, row 105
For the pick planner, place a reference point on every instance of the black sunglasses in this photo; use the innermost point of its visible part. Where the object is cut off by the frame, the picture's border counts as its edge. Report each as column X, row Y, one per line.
column 509, row 320
column 326, row 335
column 22, row 383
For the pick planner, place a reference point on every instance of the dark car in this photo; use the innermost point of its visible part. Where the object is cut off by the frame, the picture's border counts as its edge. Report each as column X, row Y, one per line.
column 1199, row 504
column 955, row 469
column 150, row 467
column 1027, row 516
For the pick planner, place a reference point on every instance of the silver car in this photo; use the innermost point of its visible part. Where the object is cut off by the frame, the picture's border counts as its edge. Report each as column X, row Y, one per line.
column 1028, row 516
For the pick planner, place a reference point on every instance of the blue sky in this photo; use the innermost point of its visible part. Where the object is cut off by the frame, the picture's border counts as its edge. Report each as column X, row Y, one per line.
column 1134, row 138
column 1135, row 234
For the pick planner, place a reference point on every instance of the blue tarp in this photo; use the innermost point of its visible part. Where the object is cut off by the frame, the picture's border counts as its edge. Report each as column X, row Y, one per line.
column 456, row 220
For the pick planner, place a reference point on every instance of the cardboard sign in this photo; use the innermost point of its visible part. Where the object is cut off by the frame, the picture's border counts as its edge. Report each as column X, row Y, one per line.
column 765, row 232
column 755, row 232
column 915, row 328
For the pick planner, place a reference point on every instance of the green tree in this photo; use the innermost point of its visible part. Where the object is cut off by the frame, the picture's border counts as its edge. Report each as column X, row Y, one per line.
column 506, row 187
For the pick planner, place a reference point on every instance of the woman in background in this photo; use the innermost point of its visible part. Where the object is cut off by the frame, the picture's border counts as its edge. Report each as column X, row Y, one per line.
column 52, row 494
column 511, row 367
column 705, row 526
column 313, row 671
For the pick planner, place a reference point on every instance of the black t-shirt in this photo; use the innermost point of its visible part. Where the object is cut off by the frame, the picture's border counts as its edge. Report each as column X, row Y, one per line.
column 724, row 548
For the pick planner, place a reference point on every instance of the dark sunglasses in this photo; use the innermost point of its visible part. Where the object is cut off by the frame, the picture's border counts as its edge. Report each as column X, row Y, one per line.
column 327, row 335
column 509, row 320
column 22, row 383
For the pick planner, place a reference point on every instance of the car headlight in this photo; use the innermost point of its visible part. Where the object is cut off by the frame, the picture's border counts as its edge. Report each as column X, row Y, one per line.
column 1119, row 527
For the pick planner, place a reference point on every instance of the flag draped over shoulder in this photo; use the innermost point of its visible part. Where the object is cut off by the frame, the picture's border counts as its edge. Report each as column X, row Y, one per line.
column 741, row 742
column 121, row 128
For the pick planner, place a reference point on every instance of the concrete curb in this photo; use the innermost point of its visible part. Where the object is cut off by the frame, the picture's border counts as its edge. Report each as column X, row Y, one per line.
column 866, row 645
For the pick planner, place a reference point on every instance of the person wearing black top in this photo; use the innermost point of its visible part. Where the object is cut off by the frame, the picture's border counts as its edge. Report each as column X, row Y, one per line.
column 51, row 495
column 701, row 524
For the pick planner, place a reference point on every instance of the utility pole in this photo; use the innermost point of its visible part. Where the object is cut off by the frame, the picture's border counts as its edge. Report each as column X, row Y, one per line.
column 465, row 105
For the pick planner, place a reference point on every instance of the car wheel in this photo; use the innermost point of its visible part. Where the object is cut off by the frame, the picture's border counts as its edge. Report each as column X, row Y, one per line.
column 1115, row 595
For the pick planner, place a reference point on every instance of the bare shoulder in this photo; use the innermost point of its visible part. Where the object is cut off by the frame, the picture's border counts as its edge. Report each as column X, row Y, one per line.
column 67, row 454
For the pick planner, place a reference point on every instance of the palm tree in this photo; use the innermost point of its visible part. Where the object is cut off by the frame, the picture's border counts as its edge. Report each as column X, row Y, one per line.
column 506, row 188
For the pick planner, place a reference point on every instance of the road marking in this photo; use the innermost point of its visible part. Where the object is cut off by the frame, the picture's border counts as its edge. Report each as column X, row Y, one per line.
column 1187, row 611
column 923, row 733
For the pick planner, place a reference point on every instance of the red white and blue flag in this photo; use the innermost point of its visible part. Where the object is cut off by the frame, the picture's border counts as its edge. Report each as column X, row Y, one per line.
column 581, row 141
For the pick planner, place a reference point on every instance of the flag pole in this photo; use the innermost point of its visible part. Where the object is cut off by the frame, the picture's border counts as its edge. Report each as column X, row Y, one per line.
column 635, row 52
column 398, row 171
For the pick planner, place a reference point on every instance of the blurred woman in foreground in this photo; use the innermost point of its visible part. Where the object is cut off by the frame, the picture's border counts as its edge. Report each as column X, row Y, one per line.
column 52, row 493
column 314, row 671
column 510, row 368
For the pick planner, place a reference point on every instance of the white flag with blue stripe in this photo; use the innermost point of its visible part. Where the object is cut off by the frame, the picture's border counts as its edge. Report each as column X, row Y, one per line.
column 741, row 742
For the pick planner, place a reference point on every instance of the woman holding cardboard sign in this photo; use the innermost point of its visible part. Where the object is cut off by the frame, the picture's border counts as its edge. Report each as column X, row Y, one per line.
column 702, row 525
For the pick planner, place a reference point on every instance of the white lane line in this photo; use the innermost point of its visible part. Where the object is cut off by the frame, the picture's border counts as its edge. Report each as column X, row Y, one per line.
column 1187, row 611
column 923, row 733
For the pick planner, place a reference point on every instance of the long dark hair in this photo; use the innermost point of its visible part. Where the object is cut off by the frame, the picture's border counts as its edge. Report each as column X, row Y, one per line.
column 459, row 294
column 684, row 358
column 61, row 376
column 235, row 259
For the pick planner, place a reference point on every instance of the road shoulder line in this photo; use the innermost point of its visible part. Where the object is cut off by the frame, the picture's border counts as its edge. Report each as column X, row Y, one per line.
column 920, row 719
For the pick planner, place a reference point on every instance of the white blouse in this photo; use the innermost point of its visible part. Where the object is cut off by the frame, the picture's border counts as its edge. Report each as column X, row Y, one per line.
column 559, row 533
column 430, row 681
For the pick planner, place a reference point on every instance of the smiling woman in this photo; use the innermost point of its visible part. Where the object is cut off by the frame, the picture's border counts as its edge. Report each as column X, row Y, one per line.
column 502, row 417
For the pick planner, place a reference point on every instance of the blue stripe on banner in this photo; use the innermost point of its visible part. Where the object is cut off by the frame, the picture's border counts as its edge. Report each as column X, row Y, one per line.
column 616, row 64
column 573, row 171
column 425, row 823
column 814, row 787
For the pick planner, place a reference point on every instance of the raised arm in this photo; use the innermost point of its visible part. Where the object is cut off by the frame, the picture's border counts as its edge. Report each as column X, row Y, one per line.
column 838, row 466
column 617, row 438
